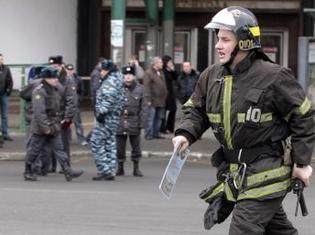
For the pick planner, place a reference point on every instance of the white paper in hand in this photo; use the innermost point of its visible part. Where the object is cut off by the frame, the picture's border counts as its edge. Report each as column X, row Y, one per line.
column 172, row 171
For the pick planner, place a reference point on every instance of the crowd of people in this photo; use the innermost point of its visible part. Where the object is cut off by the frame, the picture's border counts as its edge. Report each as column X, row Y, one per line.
column 124, row 101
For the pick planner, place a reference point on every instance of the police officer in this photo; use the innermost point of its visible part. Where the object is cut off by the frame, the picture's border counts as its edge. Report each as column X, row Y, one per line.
column 46, row 125
column 71, row 74
column 252, row 105
column 68, row 102
column 131, row 121
column 108, row 106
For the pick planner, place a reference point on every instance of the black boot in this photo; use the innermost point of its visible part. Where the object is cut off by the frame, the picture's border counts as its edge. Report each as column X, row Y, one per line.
column 28, row 174
column 120, row 170
column 100, row 177
column 136, row 170
column 70, row 174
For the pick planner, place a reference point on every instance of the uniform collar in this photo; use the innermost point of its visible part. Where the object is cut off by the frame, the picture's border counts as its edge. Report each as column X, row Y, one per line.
column 244, row 65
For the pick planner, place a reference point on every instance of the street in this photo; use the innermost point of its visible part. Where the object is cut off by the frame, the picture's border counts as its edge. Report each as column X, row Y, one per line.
column 126, row 206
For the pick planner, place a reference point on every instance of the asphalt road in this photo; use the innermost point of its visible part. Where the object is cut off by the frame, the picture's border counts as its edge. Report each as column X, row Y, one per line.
column 126, row 206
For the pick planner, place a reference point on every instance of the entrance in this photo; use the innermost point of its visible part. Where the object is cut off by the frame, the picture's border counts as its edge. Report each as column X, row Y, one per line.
column 185, row 45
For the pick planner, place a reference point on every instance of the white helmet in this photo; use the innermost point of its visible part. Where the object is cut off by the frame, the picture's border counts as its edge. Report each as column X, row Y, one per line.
column 240, row 21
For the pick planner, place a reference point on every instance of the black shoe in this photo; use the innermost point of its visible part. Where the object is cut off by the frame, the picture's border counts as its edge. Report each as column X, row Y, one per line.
column 70, row 174
column 52, row 171
column 30, row 177
column 120, row 170
column 158, row 137
column 100, row 177
column 8, row 138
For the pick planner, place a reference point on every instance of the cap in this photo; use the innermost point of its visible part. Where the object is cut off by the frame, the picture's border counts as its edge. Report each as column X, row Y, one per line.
column 69, row 67
column 49, row 72
column 55, row 59
column 108, row 65
column 128, row 70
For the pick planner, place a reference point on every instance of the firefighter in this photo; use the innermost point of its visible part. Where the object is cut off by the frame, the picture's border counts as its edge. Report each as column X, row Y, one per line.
column 253, row 105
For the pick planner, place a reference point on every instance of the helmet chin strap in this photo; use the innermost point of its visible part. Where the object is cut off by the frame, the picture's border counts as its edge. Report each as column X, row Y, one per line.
column 228, row 64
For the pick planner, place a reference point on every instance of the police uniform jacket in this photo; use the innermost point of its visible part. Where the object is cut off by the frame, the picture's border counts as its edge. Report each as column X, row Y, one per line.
column 46, row 109
column 256, row 105
column 131, row 118
column 69, row 96
column 109, row 101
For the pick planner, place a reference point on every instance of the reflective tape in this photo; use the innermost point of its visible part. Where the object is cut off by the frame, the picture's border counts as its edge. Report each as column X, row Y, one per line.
column 189, row 103
column 255, row 31
column 214, row 117
column 265, row 190
column 268, row 175
column 227, row 99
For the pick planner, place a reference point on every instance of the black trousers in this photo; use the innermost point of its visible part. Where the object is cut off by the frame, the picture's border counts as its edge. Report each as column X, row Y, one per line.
column 36, row 145
column 135, row 147
column 261, row 218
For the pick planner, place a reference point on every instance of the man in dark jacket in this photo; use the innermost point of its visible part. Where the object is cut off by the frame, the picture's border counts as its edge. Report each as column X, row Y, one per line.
column 6, row 85
column 186, row 81
column 46, row 103
column 155, row 94
column 131, row 120
column 252, row 106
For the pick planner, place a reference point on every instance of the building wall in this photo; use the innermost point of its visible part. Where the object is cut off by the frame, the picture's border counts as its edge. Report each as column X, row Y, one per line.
column 34, row 29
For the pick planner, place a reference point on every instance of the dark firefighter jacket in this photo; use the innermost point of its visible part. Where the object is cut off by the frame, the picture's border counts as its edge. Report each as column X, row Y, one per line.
column 252, row 109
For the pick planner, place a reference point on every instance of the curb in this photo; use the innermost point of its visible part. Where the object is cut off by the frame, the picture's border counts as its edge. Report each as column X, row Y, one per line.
column 20, row 156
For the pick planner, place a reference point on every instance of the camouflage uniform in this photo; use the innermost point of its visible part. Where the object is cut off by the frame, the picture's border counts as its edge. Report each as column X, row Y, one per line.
column 109, row 100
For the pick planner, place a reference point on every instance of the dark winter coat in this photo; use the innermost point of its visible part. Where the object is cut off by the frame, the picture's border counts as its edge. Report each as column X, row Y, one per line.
column 6, row 81
column 170, row 79
column 155, row 90
column 186, row 85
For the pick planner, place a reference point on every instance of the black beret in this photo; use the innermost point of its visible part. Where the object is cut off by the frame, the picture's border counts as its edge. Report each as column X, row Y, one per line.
column 55, row 59
column 49, row 72
column 128, row 69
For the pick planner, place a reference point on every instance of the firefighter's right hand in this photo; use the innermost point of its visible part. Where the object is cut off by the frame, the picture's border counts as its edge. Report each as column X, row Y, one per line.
column 303, row 173
column 182, row 141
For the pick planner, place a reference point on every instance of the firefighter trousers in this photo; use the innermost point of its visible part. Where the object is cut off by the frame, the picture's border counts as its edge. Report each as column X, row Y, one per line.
column 261, row 218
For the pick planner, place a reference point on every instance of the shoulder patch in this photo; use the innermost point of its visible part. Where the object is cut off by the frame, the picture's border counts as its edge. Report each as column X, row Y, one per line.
column 37, row 97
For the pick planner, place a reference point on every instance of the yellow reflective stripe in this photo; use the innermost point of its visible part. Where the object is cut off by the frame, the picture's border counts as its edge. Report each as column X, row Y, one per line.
column 266, row 117
column 189, row 103
column 228, row 193
column 268, row 175
column 233, row 167
column 216, row 191
column 241, row 117
column 227, row 98
column 255, row 31
column 214, row 117
column 305, row 107
column 265, row 190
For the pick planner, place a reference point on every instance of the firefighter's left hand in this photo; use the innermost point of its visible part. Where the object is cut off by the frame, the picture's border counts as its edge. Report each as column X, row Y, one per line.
column 303, row 173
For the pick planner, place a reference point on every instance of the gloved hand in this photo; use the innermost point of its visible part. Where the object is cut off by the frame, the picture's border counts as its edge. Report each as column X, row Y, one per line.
column 66, row 123
column 218, row 210
column 100, row 118
column 54, row 129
